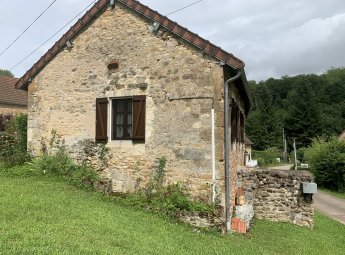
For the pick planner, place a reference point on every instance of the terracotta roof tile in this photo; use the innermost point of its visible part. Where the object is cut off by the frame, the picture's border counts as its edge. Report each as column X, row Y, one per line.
column 136, row 6
column 9, row 94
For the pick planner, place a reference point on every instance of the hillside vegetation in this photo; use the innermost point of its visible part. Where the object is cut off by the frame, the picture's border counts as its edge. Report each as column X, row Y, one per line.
column 306, row 106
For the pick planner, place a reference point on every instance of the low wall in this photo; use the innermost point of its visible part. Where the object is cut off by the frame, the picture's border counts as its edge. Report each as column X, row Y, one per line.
column 276, row 195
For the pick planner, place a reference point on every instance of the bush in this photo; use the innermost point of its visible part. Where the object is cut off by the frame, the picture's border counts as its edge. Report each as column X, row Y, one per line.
column 169, row 199
column 173, row 198
column 61, row 165
column 300, row 154
column 4, row 119
column 13, row 150
column 327, row 162
column 266, row 157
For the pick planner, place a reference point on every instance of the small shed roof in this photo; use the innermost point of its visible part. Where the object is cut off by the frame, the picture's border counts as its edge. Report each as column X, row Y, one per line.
column 247, row 141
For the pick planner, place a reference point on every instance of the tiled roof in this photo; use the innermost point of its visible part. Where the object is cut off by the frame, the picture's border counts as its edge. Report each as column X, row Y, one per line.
column 9, row 94
column 145, row 11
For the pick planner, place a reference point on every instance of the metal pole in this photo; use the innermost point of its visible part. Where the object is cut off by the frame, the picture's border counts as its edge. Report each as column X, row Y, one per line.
column 227, row 150
column 213, row 158
column 294, row 148
column 284, row 146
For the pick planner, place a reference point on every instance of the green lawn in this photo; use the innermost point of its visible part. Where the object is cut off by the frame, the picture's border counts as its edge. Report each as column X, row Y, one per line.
column 41, row 216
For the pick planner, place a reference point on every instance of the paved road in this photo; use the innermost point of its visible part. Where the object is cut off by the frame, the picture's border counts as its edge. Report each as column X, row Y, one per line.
column 331, row 206
column 281, row 167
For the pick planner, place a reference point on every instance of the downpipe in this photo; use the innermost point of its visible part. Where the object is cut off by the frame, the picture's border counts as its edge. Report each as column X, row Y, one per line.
column 227, row 150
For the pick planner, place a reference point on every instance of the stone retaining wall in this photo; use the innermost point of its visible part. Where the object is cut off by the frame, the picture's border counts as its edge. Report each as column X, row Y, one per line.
column 276, row 195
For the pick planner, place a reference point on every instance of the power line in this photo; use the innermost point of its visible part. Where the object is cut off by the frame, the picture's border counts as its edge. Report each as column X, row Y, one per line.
column 184, row 7
column 21, row 61
column 27, row 28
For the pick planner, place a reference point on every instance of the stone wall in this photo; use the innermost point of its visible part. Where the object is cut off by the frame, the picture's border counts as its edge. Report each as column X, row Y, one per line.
column 62, row 98
column 5, row 108
column 276, row 195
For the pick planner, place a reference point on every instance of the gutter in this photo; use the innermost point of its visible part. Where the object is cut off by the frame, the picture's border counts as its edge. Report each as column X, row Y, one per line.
column 227, row 150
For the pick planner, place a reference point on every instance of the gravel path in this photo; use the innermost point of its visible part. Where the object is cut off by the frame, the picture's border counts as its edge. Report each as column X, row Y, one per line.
column 331, row 206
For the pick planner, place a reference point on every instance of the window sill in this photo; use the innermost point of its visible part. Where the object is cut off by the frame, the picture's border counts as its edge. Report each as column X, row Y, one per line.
column 125, row 145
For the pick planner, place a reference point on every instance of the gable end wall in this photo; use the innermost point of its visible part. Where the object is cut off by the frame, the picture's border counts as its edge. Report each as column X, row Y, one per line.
column 62, row 98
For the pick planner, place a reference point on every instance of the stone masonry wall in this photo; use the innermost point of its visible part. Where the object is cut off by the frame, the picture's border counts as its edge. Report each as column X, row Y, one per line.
column 62, row 98
column 276, row 195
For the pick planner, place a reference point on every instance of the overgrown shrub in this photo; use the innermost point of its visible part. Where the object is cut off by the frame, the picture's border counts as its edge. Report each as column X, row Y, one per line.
column 300, row 154
column 13, row 139
column 267, row 157
column 61, row 165
column 327, row 162
column 167, row 199
column 4, row 119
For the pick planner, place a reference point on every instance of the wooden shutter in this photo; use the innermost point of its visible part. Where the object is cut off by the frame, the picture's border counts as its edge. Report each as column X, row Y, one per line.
column 242, row 126
column 234, row 129
column 101, row 120
column 139, row 110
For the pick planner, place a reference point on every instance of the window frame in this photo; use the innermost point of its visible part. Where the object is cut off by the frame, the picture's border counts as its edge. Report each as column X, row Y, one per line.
column 112, row 119
column 138, row 103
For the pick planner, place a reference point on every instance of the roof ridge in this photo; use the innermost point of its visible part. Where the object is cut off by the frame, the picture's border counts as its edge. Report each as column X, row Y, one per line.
column 145, row 11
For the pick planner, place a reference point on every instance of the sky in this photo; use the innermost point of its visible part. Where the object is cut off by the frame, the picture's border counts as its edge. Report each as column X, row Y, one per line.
column 273, row 37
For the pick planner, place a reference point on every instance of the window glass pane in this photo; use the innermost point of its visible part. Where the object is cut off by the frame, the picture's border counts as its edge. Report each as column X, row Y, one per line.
column 119, row 119
column 119, row 131
column 119, row 106
column 129, row 119
column 129, row 106
column 129, row 130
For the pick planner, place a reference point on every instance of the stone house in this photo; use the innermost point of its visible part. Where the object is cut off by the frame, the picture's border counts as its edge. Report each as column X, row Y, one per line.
column 133, row 80
column 12, row 100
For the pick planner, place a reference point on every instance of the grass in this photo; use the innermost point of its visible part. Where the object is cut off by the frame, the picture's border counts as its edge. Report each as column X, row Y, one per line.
column 333, row 193
column 47, row 216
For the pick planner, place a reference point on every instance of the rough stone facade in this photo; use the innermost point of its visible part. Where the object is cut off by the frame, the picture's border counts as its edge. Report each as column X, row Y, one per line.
column 277, row 195
column 62, row 97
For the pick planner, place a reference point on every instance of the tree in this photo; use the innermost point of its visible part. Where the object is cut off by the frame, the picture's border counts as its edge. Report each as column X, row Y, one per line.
column 264, row 125
column 6, row 73
column 303, row 120
column 309, row 105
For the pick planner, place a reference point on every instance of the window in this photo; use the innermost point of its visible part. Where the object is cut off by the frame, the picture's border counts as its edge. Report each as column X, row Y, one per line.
column 234, row 122
column 127, row 120
column 237, row 123
column 122, row 119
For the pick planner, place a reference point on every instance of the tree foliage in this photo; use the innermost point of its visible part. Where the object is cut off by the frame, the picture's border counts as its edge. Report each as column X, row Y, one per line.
column 306, row 106
column 7, row 73
column 327, row 160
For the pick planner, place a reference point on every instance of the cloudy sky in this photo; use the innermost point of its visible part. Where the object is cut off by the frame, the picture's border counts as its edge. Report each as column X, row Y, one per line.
column 273, row 37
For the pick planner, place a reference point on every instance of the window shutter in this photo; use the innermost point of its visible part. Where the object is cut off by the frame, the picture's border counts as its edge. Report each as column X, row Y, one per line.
column 234, row 131
column 139, row 109
column 101, row 119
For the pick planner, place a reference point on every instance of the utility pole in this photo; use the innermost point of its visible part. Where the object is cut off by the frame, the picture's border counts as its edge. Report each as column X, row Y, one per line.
column 284, row 146
column 294, row 148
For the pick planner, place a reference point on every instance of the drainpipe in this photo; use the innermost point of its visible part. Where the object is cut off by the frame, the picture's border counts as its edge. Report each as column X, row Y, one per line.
column 227, row 150
column 213, row 156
